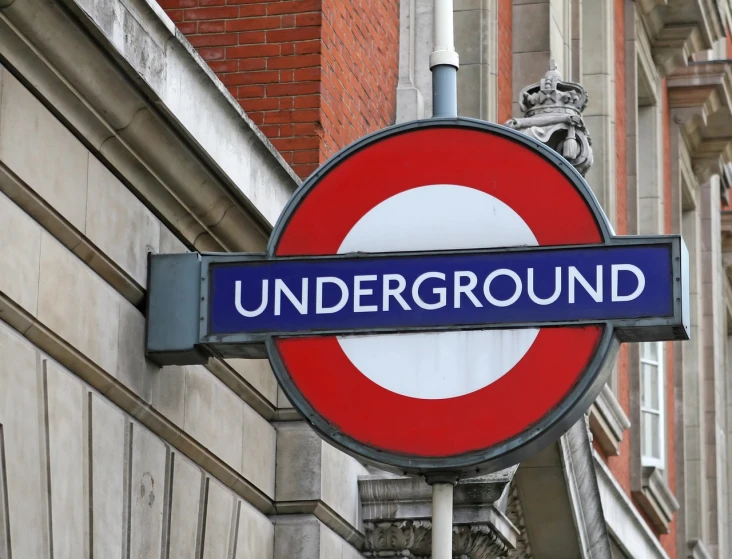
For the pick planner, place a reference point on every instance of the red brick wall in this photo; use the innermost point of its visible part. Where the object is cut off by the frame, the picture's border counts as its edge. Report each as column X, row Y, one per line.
column 620, row 465
column 314, row 75
column 360, row 69
column 505, row 60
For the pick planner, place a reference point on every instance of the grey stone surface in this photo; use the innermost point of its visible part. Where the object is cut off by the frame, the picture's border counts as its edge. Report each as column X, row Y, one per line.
column 66, row 439
column 255, row 534
column 314, row 477
column 118, row 223
column 258, row 373
column 298, row 462
column 218, row 538
column 20, row 416
column 133, row 370
column 297, row 536
column 169, row 243
column 185, row 509
column 20, row 239
column 339, row 483
column 69, row 289
column 169, row 393
column 45, row 155
column 108, row 471
column 467, row 25
column 527, row 68
column 533, row 20
column 214, row 415
column 147, row 494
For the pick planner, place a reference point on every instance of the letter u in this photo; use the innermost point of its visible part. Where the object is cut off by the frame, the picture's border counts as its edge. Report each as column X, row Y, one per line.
column 557, row 287
column 260, row 309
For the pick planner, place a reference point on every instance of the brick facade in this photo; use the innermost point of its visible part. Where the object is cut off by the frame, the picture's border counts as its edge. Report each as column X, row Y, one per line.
column 505, row 60
column 314, row 75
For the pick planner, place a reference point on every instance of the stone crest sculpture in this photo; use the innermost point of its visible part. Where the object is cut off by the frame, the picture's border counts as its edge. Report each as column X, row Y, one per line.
column 553, row 115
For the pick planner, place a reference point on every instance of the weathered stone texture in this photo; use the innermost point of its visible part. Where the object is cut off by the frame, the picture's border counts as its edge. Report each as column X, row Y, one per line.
column 42, row 152
column 72, row 281
column 69, row 487
column 88, row 477
column 20, row 239
column 20, row 417
column 126, row 234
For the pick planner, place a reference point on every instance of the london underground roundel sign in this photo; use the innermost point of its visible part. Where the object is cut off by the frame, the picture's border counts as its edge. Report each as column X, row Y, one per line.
column 446, row 296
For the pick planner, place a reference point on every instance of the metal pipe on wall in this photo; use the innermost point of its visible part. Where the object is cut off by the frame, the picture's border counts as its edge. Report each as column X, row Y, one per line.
column 444, row 62
column 442, row 494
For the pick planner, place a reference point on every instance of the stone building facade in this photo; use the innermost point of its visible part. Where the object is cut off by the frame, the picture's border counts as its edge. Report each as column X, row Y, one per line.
column 129, row 127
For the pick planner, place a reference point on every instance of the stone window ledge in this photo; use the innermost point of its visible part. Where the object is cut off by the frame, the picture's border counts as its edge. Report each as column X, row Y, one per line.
column 608, row 422
column 656, row 499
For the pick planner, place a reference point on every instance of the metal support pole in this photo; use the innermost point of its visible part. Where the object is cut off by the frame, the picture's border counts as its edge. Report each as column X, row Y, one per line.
column 444, row 63
column 442, row 520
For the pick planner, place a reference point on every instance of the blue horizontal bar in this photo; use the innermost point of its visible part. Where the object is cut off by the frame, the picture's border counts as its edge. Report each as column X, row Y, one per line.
column 440, row 291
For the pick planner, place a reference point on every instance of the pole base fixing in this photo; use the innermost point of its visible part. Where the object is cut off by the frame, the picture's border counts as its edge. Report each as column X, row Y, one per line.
column 444, row 57
column 450, row 478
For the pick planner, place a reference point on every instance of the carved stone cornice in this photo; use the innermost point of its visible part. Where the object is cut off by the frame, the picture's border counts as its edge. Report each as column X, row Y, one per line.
column 413, row 538
column 396, row 512
column 700, row 97
column 679, row 28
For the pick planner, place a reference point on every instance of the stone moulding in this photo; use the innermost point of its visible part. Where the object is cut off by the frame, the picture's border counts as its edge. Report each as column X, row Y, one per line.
column 396, row 512
column 622, row 517
column 700, row 96
column 608, row 421
column 656, row 499
column 680, row 28
column 697, row 550
column 413, row 538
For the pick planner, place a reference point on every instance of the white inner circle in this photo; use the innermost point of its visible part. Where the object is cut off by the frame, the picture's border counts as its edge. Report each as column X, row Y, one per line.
column 445, row 364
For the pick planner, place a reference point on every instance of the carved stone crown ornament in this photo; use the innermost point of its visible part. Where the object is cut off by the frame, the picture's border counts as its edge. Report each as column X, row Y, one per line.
column 552, row 112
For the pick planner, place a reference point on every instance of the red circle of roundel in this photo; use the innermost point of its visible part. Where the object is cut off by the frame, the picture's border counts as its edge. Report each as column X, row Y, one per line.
column 545, row 199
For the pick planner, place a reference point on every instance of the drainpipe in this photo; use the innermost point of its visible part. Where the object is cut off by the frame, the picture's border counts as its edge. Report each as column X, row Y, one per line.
column 444, row 63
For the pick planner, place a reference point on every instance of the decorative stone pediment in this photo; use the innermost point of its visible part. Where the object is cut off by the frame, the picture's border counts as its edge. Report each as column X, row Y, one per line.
column 397, row 511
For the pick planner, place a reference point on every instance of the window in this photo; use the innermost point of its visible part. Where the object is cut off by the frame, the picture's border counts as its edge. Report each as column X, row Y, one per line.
column 653, row 426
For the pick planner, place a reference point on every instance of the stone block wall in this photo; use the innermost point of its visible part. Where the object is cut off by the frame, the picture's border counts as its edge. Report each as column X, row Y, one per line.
column 89, row 477
column 101, row 450
column 314, row 75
